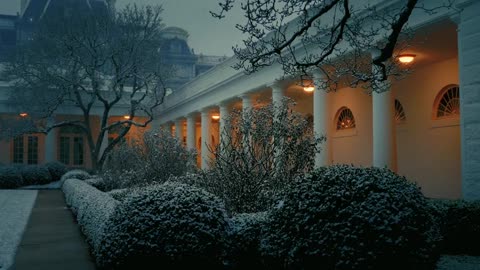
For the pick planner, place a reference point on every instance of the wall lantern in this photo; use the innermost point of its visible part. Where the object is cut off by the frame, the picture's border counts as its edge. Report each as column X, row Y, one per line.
column 23, row 114
column 406, row 58
column 127, row 117
column 215, row 117
column 308, row 89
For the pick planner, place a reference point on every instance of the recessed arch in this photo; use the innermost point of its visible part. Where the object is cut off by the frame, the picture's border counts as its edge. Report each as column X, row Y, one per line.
column 344, row 119
column 447, row 102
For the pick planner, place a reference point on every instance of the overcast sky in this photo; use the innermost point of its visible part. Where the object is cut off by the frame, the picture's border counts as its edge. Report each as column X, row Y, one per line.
column 207, row 35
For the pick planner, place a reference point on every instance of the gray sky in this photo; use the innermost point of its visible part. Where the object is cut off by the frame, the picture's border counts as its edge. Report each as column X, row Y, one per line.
column 207, row 34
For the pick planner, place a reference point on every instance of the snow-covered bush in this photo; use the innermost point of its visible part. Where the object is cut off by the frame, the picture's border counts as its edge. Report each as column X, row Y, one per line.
column 56, row 169
column 169, row 225
column 244, row 240
column 76, row 174
column 10, row 177
column 460, row 225
column 267, row 148
column 120, row 194
column 91, row 207
column 35, row 175
column 153, row 160
column 344, row 217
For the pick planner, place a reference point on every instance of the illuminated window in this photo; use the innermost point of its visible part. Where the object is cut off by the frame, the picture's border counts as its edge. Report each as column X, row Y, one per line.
column 32, row 150
column 447, row 103
column 345, row 119
column 25, row 149
column 71, row 146
column 18, row 150
column 399, row 112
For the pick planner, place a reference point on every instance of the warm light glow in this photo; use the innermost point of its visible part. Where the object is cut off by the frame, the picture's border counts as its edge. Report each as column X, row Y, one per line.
column 406, row 58
column 215, row 117
column 24, row 114
column 126, row 117
column 308, row 88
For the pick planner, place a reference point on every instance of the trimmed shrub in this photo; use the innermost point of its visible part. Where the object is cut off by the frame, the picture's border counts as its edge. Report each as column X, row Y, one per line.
column 96, row 182
column 76, row 174
column 35, row 175
column 56, row 169
column 10, row 177
column 460, row 225
column 244, row 240
column 172, row 225
column 91, row 207
column 120, row 194
column 343, row 217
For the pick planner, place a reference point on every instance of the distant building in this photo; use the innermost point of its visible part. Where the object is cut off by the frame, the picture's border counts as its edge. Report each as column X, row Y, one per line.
column 186, row 65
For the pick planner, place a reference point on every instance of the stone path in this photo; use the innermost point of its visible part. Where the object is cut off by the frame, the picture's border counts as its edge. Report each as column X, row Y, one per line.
column 15, row 208
column 52, row 239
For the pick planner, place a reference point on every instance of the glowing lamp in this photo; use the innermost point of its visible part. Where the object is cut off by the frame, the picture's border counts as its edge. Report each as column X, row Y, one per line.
column 23, row 114
column 308, row 88
column 215, row 117
column 127, row 117
column 406, row 58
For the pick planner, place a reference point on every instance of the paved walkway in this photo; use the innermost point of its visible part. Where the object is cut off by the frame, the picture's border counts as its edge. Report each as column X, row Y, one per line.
column 52, row 239
column 15, row 209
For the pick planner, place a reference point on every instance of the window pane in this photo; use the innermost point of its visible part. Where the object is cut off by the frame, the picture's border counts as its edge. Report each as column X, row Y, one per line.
column 32, row 150
column 18, row 150
column 65, row 150
column 78, row 151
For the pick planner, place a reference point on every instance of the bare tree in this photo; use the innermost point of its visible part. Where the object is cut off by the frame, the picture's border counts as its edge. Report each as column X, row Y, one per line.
column 334, row 36
column 95, row 62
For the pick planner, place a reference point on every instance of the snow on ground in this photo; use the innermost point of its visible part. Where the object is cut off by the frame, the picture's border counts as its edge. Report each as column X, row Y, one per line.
column 15, row 209
column 459, row 262
column 53, row 185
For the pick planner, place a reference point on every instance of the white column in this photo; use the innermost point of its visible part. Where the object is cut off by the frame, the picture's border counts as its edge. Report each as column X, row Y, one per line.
column 321, row 121
column 224, row 113
column 384, row 145
column 51, row 142
column 191, row 132
column 277, row 95
column 246, row 102
column 469, row 70
column 206, row 135
column 179, row 130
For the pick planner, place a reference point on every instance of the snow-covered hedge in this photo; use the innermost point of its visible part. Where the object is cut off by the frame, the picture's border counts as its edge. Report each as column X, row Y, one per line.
column 169, row 225
column 35, row 175
column 76, row 174
column 244, row 240
column 344, row 217
column 120, row 194
column 92, row 208
column 460, row 225
column 10, row 177
column 56, row 169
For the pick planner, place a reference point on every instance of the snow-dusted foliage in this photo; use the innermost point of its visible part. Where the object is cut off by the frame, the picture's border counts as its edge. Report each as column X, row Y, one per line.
column 120, row 194
column 10, row 177
column 460, row 226
column 35, row 175
column 267, row 148
column 96, row 181
column 344, row 217
column 76, row 174
column 169, row 225
column 154, row 160
column 92, row 208
column 244, row 240
column 56, row 169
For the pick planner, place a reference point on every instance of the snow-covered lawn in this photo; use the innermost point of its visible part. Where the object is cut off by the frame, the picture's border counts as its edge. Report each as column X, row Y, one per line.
column 15, row 209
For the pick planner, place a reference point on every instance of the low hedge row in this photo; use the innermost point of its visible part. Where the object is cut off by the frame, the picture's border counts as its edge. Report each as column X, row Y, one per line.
column 92, row 208
column 15, row 176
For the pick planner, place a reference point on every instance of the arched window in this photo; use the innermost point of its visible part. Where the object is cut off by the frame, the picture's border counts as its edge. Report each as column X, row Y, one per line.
column 345, row 119
column 447, row 103
column 399, row 112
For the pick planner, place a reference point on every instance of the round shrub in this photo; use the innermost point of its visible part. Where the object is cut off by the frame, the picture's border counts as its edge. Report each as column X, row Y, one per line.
column 56, row 169
column 35, row 175
column 10, row 177
column 244, row 240
column 344, row 217
column 172, row 225
column 76, row 174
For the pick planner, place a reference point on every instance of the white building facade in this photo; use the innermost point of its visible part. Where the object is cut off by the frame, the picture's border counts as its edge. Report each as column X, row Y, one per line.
column 425, row 127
